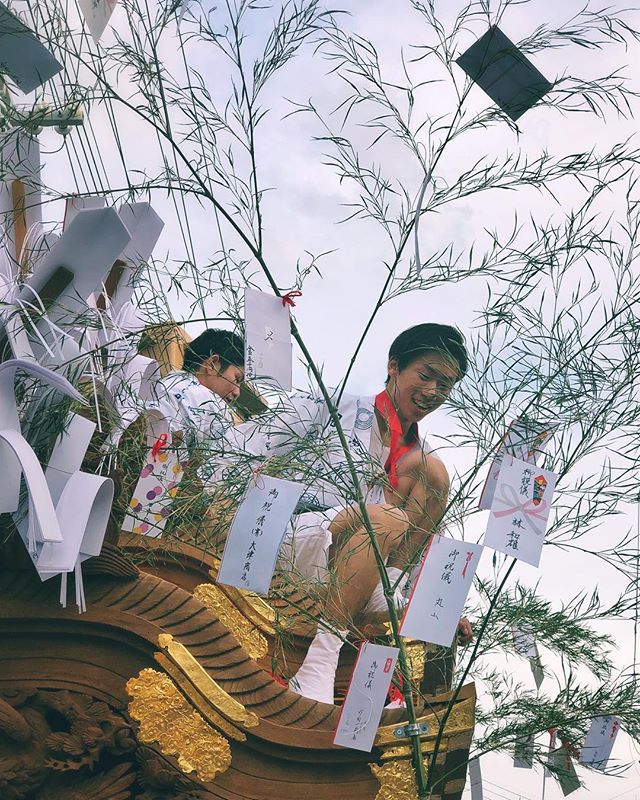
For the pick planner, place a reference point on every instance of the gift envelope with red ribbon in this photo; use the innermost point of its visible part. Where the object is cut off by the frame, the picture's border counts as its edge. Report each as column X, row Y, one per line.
column 520, row 510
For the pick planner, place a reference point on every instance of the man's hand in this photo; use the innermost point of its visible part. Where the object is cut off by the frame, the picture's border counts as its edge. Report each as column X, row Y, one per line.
column 465, row 631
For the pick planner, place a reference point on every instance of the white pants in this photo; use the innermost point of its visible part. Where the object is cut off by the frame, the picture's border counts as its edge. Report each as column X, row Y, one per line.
column 305, row 550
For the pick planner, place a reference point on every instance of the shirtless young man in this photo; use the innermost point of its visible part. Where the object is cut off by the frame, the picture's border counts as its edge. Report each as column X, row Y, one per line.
column 403, row 508
column 424, row 364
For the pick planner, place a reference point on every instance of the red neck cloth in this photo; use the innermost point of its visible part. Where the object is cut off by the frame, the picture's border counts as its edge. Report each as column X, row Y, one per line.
column 385, row 407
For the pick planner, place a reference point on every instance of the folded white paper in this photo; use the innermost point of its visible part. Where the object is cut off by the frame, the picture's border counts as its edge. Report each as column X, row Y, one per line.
column 145, row 227
column 87, row 249
column 525, row 439
column 257, row 532
column 268, row 347
column 74, row 204
column 83, row 512
column 22, row 56
column 17, row 459
column 520, row 510
column 366, row 696
column 83, row 503
column 68, row 454
column 598, row 744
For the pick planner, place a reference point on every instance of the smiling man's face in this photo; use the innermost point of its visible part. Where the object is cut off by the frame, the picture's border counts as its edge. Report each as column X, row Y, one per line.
column 422, row 386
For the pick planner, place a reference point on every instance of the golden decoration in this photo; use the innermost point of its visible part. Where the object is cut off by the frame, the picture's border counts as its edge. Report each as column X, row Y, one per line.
column 245, row 631
column 397, row 780
column 461, row 720
column 201, row 689
column 415, row 659
column 250, row 605
column 395, row 774
column 167, row 718
column 415, row 652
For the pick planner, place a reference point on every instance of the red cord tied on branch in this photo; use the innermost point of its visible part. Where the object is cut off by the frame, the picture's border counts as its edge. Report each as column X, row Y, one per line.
column 257, row 477
column 159, row 443
column 287, row 299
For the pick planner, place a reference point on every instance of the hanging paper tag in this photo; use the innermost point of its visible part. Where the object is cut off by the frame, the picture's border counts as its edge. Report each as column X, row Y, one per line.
column 267, row 346
column 520, row 510
column 440, row 591
column 475, row 779
column 256, row 534
column 523, row 753
column 366, row 696
column 563, row 770
column 157, row 485
column 525, row 439
column 525, row 645
column 599, row 742
column 97, row 14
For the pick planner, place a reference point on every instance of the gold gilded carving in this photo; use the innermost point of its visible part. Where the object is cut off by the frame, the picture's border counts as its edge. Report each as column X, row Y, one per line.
column 461, row 720
column 245, row 631
column 415, row 651
column 397, row 780
column 167, row 718
column 395, row 772
column 406, row 751
column 415, row 659
column 198, row 702
column 192, row 678
column 250, row 605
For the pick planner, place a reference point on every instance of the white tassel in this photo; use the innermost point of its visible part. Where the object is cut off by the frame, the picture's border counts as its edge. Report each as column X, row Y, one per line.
column 63, row 589
column 80, row 598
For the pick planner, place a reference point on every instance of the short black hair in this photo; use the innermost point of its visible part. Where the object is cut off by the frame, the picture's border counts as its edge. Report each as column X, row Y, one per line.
column 228, row 346
column 430, row 337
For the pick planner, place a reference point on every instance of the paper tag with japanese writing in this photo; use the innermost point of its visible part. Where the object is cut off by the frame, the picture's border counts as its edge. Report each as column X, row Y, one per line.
column 525, row 439
column 157, row 485
column 366, row 696
column 520, row 510
column 97, row 14
column 267, row 338
column 440, row 591
column 256, row 534
column 599, row 742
